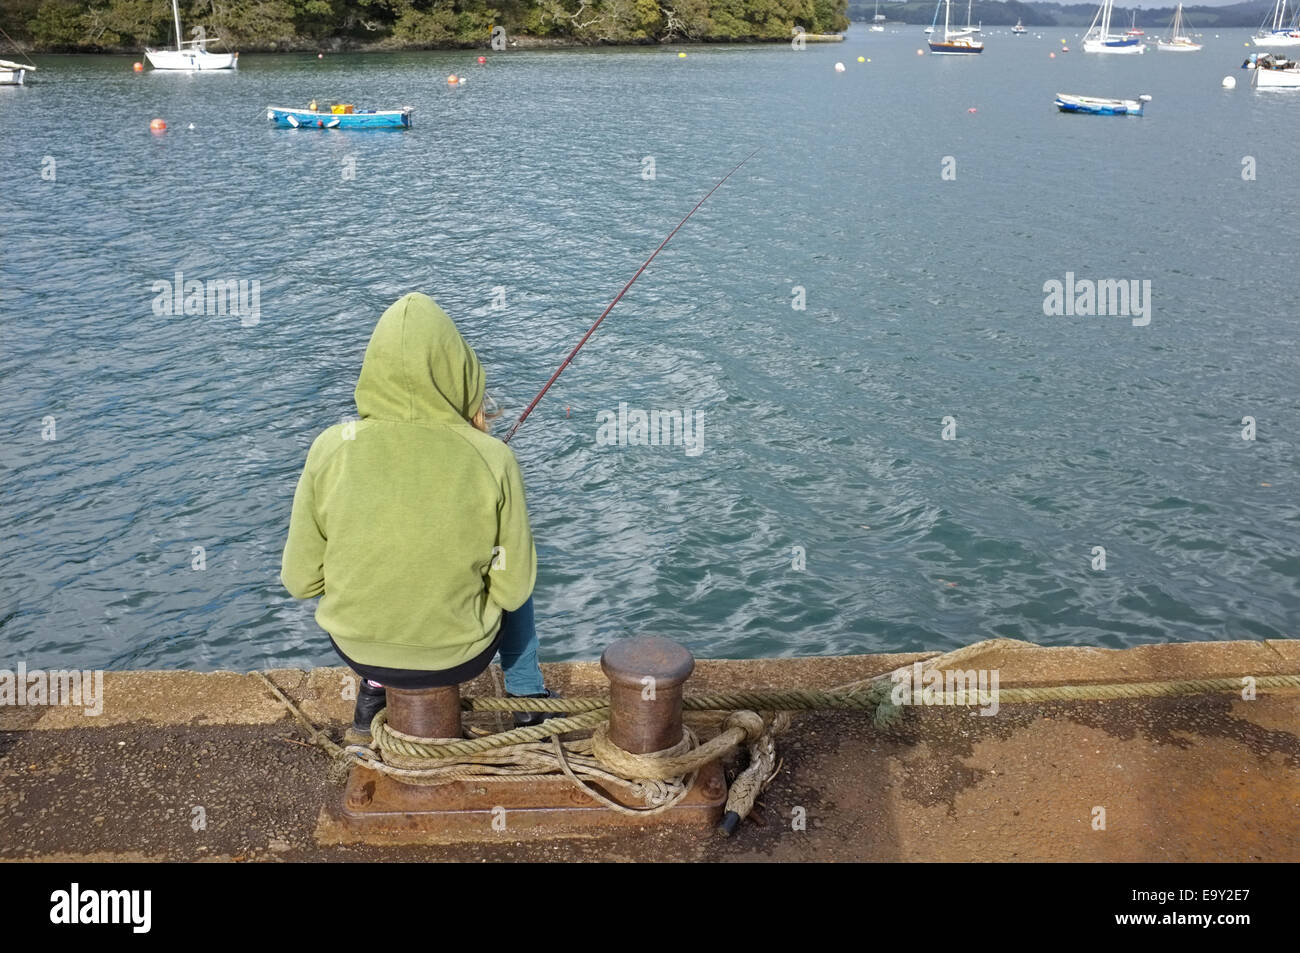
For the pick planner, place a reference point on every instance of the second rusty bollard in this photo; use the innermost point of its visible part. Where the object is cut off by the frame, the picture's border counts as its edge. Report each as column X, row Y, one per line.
column 646, row 677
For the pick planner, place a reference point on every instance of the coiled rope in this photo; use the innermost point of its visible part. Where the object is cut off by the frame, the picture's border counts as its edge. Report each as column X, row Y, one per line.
column 661, row 779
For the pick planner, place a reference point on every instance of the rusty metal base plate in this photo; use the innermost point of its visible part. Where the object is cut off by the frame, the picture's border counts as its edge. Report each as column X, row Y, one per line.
column 376, row 808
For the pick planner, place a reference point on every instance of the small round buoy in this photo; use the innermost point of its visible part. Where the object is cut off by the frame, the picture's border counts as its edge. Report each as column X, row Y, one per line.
column 681, row 56
column 320, row 56
column 157, row 125
column 320, row 123
column 868, row 59
column 190, row 126
column 1229, row 82
column 138, row 67
column 482, row 60
column 862, row 59
column 920, row 52
column 462, row 81
column 453, row 79
column 839, row 67
column 972, row 109
column 1051, row 56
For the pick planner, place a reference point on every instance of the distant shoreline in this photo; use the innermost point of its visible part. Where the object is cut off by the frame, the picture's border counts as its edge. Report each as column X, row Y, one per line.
column 307, row 45
column 339, row 45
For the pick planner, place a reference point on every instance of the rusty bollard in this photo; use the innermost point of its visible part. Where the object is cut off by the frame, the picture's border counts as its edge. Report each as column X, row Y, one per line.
column 646, row 677
column 425, row 712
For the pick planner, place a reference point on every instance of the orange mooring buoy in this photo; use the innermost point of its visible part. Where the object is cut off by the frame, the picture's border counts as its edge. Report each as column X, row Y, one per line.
column 157, row 125
column 452, row 80
column 138, row 67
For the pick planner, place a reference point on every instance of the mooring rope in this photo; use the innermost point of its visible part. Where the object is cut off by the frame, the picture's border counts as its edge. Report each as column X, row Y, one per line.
column 662, row 779
column 316, row 736
column 878, row 697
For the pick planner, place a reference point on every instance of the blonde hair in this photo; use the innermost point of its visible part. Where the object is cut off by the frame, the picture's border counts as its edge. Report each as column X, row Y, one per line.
column 482, row 419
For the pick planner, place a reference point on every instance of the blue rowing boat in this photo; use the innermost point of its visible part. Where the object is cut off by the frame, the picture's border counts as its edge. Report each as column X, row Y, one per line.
column 353, row 119
column 1094, row 106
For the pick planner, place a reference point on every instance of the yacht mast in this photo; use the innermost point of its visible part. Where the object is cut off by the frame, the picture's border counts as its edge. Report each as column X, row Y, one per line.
column 176, row 13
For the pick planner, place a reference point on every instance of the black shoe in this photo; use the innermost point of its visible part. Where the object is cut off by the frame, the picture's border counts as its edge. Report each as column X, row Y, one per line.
column 525, row 719
column 370, row 701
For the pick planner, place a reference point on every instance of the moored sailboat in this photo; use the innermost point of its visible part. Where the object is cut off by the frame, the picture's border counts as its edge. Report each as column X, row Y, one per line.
column 1019, row 28
column 13, row 74
column 968, row 30
column 953, row 42
column 190, row 54
column 1279, row 34
column 1178, row 41
column 1099, row 39
column 878, row 21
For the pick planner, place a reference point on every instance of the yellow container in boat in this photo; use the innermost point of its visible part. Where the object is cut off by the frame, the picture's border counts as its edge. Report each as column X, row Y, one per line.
column 342, row 108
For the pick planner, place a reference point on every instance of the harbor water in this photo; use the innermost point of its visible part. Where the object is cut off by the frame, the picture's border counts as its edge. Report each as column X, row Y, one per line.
column 873, row 281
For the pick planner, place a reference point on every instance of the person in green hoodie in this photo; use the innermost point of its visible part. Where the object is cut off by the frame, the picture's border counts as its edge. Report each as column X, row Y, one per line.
column 410, row 524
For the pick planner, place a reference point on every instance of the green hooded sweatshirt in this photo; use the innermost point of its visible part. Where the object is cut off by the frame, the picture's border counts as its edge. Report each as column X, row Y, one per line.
column 411, row 524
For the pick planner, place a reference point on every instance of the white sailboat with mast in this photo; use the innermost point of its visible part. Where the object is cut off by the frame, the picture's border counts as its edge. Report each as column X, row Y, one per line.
column 190, row 54
column 954, row 41
column 878, row 21
column 1280, row 34
column 1178, row 41
column 1099, row 39
column 13, row 74
column 968, row 30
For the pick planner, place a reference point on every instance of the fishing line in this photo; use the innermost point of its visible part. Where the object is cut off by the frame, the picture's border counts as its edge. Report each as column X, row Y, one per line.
column 592, row 330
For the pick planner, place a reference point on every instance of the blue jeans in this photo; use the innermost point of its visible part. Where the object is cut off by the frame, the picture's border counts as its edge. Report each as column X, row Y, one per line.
column 518, row 650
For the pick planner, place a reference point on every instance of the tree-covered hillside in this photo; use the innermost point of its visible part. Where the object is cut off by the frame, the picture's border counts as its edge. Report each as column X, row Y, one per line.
column 251, row 25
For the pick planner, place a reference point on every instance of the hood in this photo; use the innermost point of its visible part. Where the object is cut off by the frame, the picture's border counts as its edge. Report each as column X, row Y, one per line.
column 418, row 367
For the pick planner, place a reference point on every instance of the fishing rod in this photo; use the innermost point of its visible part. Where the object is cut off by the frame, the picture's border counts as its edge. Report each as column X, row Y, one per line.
column 592, row 330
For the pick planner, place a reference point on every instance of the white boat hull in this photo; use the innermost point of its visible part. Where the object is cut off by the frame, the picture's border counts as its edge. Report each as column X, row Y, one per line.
column 1265, row 78
column 1277, row 39
column 12, row 77
column 1164, row 47
column 191, row 60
